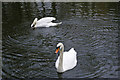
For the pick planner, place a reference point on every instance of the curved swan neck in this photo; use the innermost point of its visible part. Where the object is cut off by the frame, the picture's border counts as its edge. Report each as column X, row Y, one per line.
column 60, row 66
column 62, row 49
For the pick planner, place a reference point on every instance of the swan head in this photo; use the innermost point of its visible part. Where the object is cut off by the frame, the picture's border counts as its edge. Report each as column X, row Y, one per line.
column 59, row 47
column 34, row 23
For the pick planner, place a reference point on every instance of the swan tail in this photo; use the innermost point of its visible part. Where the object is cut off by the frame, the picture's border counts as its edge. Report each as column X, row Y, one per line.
column 60, row 23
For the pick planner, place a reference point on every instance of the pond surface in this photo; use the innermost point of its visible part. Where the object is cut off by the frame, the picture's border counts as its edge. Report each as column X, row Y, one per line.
column 91, row 28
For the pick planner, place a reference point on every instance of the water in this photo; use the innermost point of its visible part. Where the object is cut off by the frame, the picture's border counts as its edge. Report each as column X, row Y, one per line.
column 91, row 28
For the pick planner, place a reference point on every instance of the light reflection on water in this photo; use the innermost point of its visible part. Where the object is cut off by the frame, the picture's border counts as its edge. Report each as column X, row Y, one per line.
column 88, row 27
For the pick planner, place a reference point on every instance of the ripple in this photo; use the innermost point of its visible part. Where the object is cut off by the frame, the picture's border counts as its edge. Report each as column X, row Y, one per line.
column 91, row 30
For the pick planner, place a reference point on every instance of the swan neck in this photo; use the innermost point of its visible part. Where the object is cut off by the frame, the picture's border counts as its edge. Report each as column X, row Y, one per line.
column 60, row 67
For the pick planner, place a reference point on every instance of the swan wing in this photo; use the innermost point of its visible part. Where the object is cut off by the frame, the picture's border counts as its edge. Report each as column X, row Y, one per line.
column 69, row 59
column 72, row 50
column 46, row 20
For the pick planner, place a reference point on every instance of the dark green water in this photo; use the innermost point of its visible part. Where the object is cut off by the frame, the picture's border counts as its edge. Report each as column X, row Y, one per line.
column 91, row 28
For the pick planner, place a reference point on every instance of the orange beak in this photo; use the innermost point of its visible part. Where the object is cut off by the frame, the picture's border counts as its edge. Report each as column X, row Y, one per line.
column 57, row 50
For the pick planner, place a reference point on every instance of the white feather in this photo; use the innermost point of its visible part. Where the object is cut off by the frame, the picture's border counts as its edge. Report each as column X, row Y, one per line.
column 44, row 22
column 69, row 60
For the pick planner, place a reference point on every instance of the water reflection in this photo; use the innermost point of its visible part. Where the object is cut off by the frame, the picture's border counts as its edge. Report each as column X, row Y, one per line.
column 60, row 75
column 91, row 28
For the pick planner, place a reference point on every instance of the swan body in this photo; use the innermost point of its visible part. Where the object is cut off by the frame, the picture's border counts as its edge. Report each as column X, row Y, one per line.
column 44, row 22
column 66, row 60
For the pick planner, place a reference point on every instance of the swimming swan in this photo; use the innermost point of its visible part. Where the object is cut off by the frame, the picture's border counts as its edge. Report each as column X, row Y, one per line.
column 44, row 22
column 66, row 60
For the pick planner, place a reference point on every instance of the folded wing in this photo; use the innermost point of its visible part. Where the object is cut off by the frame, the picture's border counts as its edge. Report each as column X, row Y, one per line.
column 46, row 20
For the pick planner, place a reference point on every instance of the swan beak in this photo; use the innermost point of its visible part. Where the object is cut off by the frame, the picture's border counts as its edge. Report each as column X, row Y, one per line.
column 57, row 50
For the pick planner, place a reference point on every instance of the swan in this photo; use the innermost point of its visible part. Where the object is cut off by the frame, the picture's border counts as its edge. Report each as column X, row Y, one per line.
column 44, row 22
column 66, row 60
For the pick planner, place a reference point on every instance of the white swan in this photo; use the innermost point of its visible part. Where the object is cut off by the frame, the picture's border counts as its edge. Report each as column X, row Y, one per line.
column 44, row 22
column 66, row 60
